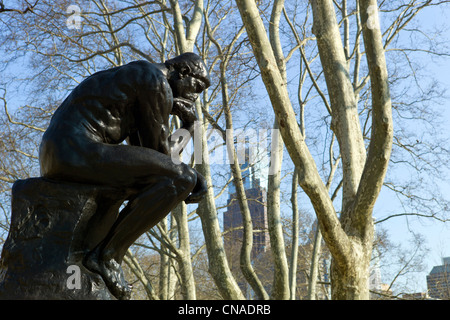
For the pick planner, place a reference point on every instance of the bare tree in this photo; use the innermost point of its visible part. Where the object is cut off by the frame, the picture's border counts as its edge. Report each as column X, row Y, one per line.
column 350, row 237
column 28, row 7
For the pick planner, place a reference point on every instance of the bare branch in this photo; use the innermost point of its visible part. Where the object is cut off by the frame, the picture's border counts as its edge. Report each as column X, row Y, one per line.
column 10, row 119
column 29, row 8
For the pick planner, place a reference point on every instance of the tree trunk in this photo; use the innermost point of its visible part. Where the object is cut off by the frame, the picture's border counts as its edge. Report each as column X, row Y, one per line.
column 362, row 177
column 314, row 269
column 172, row 280
column 349, row 238
column 164, row 267
column 295, row 235
column 280, row 289
column 352, row 283
column 345, row 120
column 184, row 258
column 217, row 260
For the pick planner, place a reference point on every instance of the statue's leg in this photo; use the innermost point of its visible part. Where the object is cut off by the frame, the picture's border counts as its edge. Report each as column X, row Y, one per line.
column 142, row 212
column 158, row 184
column 120, row 166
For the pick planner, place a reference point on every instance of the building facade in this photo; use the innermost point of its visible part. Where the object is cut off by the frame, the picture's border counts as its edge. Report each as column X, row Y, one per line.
column 438, row 281
column 232, row 218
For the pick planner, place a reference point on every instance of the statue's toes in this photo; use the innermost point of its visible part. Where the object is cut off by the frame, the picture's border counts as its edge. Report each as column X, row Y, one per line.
column 120, row 291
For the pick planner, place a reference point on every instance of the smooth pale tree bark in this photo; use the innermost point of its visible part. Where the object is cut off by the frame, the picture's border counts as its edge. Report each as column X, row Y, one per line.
column 184, row 257
column 314, row 268
column 217, row 261
column 362, row 179
column 164, row 267
column 167, row 277
column 172, row 281
column 349, row 238
column 295, row 238
column 186, row 39
column 281, row 286
column 345, row 120
column 280, row 289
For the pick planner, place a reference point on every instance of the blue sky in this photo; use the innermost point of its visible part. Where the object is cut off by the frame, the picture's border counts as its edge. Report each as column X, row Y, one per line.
column 437, row 234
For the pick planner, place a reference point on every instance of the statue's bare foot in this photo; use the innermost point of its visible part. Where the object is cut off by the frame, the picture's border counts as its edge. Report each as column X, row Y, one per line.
column 111, row 273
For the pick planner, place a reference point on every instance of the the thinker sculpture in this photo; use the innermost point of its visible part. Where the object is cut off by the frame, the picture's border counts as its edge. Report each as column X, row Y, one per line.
column 83, row 145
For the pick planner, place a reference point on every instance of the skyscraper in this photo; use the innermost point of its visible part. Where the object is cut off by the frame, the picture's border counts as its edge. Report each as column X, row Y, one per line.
column 232, row 218
column 438, row 281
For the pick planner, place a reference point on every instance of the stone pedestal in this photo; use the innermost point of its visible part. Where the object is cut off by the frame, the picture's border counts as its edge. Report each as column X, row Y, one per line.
column 53, row 226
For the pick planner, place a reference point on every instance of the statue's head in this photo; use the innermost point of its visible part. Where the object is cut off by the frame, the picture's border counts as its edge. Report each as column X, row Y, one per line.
column 188, row 77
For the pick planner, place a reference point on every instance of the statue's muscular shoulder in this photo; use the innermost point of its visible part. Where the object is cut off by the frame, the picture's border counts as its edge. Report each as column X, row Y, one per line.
column 131, row 79
column 144, row 73
column 149, row 83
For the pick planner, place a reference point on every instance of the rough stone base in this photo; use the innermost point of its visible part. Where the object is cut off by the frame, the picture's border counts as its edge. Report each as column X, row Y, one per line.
column 53, row 226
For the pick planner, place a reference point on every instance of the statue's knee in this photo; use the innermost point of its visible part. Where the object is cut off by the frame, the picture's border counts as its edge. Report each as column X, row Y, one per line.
column 187, row 177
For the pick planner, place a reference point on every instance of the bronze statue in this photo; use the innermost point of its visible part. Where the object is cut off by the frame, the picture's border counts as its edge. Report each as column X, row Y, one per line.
column 132, row 103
